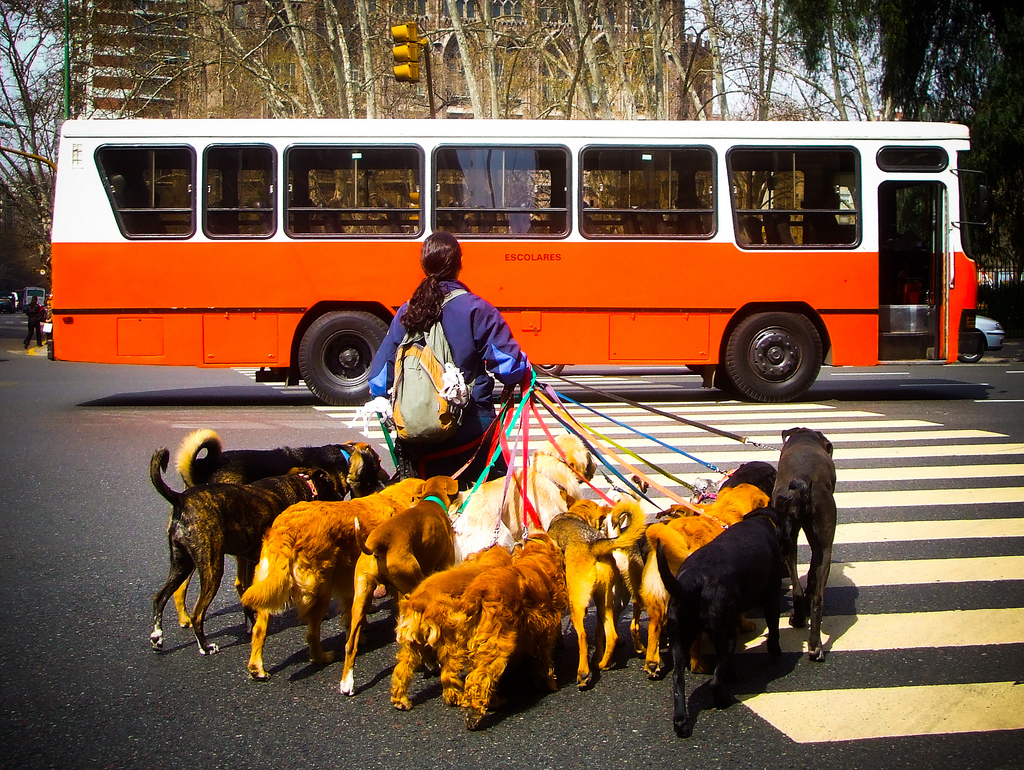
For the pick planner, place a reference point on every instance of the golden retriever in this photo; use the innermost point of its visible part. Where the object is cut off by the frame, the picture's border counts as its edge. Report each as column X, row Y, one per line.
column 427, row 631
column 309, row 555
column 506, row 611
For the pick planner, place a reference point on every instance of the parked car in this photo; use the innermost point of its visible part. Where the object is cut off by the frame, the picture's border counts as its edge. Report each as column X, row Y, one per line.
column 6, row 305
column 992, row 331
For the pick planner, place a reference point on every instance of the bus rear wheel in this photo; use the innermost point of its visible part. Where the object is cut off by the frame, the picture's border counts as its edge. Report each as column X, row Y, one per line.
column 335, row 355
column 773, row 357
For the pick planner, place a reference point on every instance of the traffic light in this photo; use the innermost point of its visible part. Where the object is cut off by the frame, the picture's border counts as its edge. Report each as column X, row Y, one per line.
column 407, row 52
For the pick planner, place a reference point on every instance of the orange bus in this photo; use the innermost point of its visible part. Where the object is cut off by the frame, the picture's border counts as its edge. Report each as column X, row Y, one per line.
column 752, row 252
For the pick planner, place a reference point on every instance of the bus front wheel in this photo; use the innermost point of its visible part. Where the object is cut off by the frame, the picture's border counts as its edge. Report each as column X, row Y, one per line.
column 773, row 357
column 335, row 355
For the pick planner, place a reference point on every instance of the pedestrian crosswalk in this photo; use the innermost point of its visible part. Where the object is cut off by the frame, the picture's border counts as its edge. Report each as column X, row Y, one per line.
column 922, row 507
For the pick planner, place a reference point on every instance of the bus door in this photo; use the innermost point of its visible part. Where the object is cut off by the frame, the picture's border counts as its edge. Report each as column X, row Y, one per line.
column 912, row 264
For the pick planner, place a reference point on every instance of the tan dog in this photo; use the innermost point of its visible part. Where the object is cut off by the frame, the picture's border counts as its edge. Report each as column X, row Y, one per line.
column 398, row 554
column 591, row 574
column 427, row 629
column 514, row 610
column 552, row 485
column 309, row 555
column 201, row 459
column 679, row 537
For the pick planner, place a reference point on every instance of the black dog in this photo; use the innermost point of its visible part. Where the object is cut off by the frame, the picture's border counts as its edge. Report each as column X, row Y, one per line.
column 737, row 571
column 201, row 459
column 804, row 492
column 760, row 474
column 210, row 521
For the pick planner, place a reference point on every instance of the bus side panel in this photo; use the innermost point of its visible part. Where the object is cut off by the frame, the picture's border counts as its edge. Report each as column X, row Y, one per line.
column 854, row 339
column 962, row 296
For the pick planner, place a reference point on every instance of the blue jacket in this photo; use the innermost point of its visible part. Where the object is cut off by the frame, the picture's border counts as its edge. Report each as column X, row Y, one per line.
column 480, row 341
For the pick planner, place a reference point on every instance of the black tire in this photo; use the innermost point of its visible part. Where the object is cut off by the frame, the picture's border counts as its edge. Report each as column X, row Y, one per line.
column 555, row 369
column 773, row 357
column 972, row 358
column 335, row 355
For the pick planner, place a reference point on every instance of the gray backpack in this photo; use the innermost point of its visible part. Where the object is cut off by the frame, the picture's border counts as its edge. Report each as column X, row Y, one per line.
column 422, row 414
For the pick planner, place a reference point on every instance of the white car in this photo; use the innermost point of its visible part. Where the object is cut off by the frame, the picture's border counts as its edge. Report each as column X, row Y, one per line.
column 993, row 333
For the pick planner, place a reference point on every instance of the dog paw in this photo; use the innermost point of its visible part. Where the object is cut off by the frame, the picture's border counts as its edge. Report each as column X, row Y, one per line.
column 348, row 684
column 583, row 680
column 683, row 728
column 797, row 621
column 452, row 697
column 473, row 719
column 156, row 639
column 653, row 671
column 818, row 655
column 323, row 658
column 774, row 648
column 402, row 704
column 210, row 649
column 259, row 674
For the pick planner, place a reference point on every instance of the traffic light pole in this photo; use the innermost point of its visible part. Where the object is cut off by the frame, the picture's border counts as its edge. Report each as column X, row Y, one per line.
column 430, row 80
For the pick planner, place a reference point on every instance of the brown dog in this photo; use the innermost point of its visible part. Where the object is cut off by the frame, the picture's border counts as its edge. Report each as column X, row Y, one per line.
column 201, row 459
column 552, row 485
column 427, row 629
column 309, row 555
column 398, row 554
column 679, row 537
column 211, row 521
column 804, row 491
column 514, row 610
column 591, row 574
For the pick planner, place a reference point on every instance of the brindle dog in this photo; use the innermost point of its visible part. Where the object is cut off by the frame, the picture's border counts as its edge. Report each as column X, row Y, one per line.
column 210, row 521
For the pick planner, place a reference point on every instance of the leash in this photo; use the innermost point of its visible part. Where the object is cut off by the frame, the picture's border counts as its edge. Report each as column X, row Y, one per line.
column 578, row 426
column 656, row 440
column 667, row 415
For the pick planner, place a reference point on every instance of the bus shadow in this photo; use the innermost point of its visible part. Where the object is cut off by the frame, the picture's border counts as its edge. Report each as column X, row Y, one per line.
column 220, row 396
column 932, row 389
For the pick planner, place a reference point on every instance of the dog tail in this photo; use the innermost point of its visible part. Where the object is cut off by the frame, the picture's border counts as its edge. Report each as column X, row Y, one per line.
column 158, row 464
column 361, row 536
column 193, row 468
column 272, row 582
column 630, row 519
column 796, row 499
column 683, row 594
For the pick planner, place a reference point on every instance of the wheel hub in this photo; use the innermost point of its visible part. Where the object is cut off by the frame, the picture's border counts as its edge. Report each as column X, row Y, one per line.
column 774, row 354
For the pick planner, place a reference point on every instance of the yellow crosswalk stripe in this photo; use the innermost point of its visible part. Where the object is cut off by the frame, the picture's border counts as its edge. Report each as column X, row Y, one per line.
column 884, row 712
column 920, row 497
column 904, row 630
column 921, row 571
column 904, row 531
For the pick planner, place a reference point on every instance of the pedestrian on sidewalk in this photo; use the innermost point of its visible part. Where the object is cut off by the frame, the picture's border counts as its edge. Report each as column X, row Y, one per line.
column 36, row 315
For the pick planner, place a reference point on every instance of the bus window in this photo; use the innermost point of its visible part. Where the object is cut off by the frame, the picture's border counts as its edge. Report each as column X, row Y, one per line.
column 348, row 190
column 912, row 159
column 151, row 189
column 656, row 192
column 785, row 198
column 239, row 191
column 508, row 191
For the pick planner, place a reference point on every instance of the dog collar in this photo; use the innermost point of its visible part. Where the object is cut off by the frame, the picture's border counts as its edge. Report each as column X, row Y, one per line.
column 436, row 499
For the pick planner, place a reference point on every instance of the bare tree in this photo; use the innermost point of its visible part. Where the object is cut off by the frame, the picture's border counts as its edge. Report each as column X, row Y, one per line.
column 31, row 76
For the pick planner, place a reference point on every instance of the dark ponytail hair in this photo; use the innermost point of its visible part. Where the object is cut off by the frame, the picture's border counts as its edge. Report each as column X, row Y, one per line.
column 441, row 260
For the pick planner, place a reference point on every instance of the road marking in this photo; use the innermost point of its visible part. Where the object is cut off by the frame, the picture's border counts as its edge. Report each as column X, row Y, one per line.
column 906, row 531
column 903, row 631
column 924, row 571
column 928, row 472
column 920, row 497
column 884, row 712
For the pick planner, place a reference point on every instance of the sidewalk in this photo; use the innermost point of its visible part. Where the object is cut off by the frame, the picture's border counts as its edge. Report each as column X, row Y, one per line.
column 1012, row 350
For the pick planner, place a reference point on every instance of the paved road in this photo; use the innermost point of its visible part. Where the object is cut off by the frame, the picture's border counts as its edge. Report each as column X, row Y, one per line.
column 923, row 611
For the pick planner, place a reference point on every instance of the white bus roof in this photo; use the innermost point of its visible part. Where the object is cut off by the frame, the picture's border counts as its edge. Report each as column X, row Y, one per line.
column 492, row 130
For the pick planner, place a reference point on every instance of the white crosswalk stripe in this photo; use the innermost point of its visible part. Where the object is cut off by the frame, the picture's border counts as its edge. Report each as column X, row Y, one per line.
column 956, row 487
